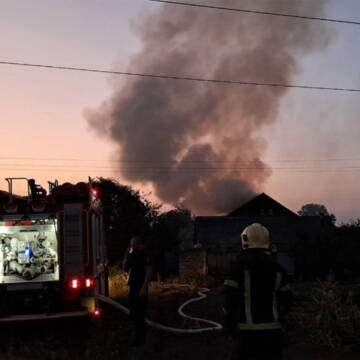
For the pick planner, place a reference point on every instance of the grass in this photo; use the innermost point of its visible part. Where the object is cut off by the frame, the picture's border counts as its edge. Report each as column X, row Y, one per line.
column 329, row 317
column 107, row 339
column 119, row 290
column 197, row 281
column 327, row 313
column 337, row 322
column 118, row 283
column 324, row 311
column 163, row 296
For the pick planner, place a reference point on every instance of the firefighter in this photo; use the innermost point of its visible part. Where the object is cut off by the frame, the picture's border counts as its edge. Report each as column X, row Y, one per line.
column 254, row 295
column 137, row 263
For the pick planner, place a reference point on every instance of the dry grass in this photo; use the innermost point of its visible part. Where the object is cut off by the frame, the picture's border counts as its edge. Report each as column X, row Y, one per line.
column 197, row 281
column 327, row 316
column 118, row 283
column 164, row 298
column 322, row 312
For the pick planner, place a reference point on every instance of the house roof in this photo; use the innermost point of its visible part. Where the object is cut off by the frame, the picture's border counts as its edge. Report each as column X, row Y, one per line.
column 262, row 205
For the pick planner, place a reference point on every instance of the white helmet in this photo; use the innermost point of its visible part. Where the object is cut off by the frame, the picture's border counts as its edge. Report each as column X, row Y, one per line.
column 255, row 236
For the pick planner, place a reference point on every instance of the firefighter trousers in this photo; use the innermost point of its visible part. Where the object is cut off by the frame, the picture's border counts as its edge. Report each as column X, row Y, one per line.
column 260, row 344
column 137, row 307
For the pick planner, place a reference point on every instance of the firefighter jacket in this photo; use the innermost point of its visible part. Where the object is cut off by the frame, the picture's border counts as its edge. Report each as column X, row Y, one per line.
column 253, row 292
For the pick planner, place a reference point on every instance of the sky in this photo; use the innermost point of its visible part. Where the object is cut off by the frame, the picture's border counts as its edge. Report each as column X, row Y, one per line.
column 42, row 111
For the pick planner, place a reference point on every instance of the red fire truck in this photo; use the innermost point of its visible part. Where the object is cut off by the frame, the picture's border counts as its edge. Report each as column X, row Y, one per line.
column 52, row 252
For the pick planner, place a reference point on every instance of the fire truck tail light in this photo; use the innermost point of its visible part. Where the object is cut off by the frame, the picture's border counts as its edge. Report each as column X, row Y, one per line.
column 74, row 283
column 89, row 282
column 97, row 313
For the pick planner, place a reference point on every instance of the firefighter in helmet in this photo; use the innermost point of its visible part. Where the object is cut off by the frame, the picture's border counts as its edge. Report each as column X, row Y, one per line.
column 255, row 294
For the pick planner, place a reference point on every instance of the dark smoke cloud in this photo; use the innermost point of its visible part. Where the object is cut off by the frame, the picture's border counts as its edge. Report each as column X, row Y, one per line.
column 179, row 131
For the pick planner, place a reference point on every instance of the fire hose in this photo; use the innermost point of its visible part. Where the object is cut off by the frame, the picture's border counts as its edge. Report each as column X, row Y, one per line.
column 214, row 325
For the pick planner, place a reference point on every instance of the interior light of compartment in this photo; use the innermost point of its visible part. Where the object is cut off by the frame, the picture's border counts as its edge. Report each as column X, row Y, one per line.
column 28, row 252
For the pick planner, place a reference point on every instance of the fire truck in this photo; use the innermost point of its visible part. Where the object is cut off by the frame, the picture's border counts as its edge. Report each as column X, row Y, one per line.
column 52, row 252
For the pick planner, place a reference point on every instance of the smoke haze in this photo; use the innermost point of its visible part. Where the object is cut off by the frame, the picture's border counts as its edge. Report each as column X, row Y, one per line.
column 197, row 143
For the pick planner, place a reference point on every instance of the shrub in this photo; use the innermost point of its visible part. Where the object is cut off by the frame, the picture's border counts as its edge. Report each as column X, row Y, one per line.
column 336, row 322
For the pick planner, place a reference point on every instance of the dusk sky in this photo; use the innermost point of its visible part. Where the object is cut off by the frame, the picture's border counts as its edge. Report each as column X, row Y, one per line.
column 42, row 111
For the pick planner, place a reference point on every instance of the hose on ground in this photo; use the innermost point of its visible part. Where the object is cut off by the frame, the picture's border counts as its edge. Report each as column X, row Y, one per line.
column 214, row 325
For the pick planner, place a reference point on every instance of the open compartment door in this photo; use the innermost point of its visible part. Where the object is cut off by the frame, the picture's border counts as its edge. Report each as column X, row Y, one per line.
column 29, row 249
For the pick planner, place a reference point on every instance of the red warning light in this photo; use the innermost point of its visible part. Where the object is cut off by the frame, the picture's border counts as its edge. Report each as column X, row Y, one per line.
column 97, row 313
column 74, row 283
column 89, row 282
column 94, row 193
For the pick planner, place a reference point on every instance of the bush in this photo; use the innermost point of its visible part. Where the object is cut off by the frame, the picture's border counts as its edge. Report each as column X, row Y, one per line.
column 337, row 322
column 303, row 291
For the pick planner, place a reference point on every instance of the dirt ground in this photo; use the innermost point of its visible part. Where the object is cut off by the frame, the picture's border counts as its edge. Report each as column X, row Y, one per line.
column 110, row 337
column 214, row 345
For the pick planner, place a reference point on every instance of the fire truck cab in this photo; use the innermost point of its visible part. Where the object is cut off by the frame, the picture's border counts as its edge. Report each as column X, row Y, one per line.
column 52, row 252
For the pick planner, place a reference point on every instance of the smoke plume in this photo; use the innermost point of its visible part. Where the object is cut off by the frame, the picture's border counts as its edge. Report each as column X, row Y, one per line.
column 198, row 143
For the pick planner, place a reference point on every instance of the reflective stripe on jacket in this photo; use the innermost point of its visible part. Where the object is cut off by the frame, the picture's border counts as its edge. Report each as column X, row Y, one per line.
column 251, row 291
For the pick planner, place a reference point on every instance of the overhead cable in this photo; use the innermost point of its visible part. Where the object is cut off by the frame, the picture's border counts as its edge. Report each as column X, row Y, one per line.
column 181, row 168
column 258, row 12
column 186, row 171
column 145, row 161
column 175, row 77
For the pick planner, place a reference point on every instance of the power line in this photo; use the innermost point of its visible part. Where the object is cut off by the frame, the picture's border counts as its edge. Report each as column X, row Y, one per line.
column 176, row 161
column 173, row 77
column 66, row 166
column 257, row 12
column 189, row 173
column 178, row 169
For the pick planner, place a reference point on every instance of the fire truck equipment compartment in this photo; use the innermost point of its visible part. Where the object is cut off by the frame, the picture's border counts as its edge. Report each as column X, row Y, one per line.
column 28, row 251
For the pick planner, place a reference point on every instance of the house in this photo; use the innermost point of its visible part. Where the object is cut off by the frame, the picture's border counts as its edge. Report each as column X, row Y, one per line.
column 217, row 238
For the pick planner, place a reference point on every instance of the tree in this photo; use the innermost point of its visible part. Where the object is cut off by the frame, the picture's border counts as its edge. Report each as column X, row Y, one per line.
column 348, row 250
column 317, row 210
column 173, row 230
column 316, row 252
column 126, row 214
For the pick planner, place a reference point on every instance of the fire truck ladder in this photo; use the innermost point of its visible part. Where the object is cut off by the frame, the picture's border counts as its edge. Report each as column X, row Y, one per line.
column 10, row 185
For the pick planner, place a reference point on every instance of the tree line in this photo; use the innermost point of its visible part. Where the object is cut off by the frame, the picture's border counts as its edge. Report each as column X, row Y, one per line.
column 128, row 213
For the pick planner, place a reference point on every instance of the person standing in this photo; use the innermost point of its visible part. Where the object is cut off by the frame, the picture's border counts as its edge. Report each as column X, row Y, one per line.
column 254, row 295
column 137, row 263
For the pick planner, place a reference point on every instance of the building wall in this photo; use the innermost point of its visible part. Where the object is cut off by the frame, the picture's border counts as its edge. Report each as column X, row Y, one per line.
column 207, row 262
column 305, row 244
column 220, row 263
column 193, row 262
